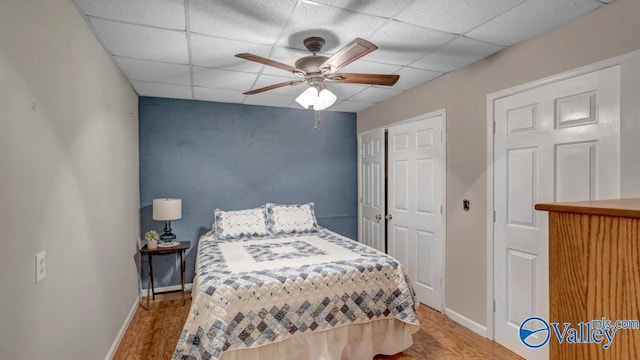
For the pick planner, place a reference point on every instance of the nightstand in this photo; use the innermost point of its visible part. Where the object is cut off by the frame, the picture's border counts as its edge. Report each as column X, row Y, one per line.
column 179, row 250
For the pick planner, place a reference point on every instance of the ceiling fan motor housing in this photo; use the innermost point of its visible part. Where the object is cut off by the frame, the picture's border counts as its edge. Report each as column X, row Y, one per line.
column 311, row 64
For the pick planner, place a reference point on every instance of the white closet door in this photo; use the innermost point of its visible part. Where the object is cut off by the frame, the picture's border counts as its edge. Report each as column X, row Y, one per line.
column 372, row 188
column 415, row 199
column 558, row 142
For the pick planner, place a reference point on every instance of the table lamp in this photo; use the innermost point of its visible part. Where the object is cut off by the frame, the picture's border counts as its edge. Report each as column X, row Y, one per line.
column 167, row 209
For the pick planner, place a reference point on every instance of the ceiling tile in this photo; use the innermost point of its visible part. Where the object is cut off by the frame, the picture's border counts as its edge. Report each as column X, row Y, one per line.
column 383, row 8
column 162, row 90
column 338, row 27
column 456, row 54
column 370, row 67
column 291, row 91
column 410, row 78
column 268, row 100
column 454, row 16
column 400, row 43
column 530, row 19
column 154, row 71
column 374, row 94
column 222, row 79
column 350, row 106
column 220, row 53
column 166, row 13
column 218, row 95
column 142, row 42
column 344, row 91
column 255, row 21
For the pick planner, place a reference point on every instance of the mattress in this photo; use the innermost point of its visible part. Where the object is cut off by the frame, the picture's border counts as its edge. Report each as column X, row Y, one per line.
column 319, row 293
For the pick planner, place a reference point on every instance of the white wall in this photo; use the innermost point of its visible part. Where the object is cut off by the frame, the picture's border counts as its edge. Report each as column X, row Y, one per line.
column 68, row 185
column 602, row 34
column 630, row 128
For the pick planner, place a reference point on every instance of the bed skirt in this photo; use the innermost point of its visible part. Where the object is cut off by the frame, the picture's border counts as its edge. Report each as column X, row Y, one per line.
column 356, row 341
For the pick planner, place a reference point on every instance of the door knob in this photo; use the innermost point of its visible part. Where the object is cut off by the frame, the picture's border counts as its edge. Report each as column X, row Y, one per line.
column 388, row 217
column 379, row 217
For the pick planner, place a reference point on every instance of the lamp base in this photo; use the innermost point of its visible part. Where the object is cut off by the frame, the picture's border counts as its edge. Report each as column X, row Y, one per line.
column 167, row 236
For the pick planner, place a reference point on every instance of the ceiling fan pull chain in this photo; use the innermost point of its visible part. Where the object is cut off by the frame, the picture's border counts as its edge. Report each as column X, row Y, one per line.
column 316, row 124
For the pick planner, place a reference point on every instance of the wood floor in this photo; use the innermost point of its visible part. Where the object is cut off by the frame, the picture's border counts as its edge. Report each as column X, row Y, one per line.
column 153, row 335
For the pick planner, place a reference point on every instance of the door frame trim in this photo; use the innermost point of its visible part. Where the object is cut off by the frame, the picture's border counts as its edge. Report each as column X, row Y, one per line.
column 491, row 99
column 440, row 112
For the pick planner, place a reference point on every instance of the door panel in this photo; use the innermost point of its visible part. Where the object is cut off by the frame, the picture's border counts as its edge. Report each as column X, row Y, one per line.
column 520, row 265
column 424, row 195
column 399, row 248
column 401, row 192
column 415, row 199
column 425, row 268
column 372, row 188
column 576, row 171
column 522, row 172
column 558, row 142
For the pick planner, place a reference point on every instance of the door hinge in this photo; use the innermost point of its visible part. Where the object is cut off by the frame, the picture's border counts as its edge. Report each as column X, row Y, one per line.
column 440, row 283
column 494, row 216
column 441, row 136
column 494, row 126
column 360, row 199
column 361, row 150
column 494, row 305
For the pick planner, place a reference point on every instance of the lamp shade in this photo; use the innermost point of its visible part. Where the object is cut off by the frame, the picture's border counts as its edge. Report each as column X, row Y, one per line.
column 325, row 99
column 167, row 209
column 318, row 96
column 308, row 97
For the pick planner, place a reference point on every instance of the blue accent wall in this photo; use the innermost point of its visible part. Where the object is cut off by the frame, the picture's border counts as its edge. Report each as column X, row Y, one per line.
column 234, row 156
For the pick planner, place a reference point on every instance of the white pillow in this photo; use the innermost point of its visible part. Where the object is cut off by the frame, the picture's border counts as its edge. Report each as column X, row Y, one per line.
column 240, row 223
column 286, row 219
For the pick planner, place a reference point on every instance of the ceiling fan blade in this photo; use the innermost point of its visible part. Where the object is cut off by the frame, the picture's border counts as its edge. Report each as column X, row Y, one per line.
column 371, row 79
column 348, row 54
column 274, row 86
column 269, row 62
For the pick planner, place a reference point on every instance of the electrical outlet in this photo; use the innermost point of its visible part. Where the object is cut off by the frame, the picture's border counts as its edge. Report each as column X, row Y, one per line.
column 41, row 266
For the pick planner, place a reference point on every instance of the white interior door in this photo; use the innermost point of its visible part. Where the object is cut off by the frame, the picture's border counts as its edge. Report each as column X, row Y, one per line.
column 558, row 142
column 372, row 196
column 415, row 203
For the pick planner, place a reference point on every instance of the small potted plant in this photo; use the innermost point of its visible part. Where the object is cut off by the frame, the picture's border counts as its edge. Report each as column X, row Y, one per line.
column 152, row 239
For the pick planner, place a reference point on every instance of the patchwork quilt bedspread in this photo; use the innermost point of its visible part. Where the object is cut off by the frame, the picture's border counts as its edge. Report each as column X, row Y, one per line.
column 258, row 291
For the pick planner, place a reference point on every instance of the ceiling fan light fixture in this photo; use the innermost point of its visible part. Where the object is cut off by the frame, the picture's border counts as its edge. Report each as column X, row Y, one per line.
column 308, row 97
column 325, row 99
column 318, row 96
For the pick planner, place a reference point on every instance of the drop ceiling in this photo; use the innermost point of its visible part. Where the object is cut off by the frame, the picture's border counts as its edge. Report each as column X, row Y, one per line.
column 185, row 48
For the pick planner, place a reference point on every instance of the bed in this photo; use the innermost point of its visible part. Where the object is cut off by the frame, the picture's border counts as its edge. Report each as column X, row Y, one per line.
column 294, row 292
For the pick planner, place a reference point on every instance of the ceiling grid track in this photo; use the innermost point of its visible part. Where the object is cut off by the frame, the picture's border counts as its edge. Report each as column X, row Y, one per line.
column 187, row 27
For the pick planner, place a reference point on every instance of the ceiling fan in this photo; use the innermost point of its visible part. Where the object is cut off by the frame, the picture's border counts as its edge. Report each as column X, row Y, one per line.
column 317, row 69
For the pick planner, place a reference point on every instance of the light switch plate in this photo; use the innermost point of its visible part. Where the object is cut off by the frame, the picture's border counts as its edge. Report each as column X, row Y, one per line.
column 41, row 266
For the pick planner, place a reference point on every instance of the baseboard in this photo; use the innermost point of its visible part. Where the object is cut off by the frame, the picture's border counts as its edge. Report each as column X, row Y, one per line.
column 466, row 322
column 123, row 330
column 158, row 290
